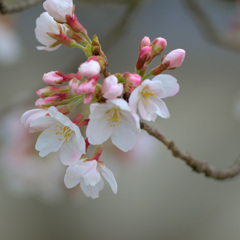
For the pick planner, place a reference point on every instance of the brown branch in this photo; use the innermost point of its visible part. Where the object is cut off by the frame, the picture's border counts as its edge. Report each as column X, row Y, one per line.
column 20, row 6
column 224, row 39
column 197, row 166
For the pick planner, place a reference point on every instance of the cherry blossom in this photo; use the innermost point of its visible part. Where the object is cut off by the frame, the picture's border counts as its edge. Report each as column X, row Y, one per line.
column 113, row 119
column 53, row 78
column 59, row 9
column 46, row 24
column 148, row 96
column 90, row 174
column 60, row 133
column 90, row 68
column 174, row 59
column 111, row 88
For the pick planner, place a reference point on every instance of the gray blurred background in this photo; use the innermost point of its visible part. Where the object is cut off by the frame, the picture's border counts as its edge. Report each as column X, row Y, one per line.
column 159, row 197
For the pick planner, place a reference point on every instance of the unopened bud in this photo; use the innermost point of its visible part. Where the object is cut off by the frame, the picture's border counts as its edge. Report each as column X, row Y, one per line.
column 174, row 59
column 158, row 45
column 48, row 91
column 55, row 100
column 89, row 69
column 53, row 78
column 74, row 24
column 77, row 37
column 87, row 87
column 144, row 56
column 74, row 85
column 133, row 78
column 145, row 42
column 111, row 88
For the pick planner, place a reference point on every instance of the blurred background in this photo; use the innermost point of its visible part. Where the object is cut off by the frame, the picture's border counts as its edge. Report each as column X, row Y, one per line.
column 159, row 197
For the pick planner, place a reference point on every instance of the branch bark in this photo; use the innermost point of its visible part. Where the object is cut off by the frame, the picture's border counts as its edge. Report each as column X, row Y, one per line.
column 20, row 6
column 197, row 166
column 224, row 39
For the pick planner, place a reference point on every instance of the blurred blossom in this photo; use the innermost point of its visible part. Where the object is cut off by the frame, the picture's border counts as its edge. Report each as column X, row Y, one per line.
column 24, row 172
column 145, row 149
column 10, row 42
column 236, row 106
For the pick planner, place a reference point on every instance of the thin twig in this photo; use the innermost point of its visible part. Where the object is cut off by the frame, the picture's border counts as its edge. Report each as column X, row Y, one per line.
column 20, row 6
column 224, row 39
column 197, row 166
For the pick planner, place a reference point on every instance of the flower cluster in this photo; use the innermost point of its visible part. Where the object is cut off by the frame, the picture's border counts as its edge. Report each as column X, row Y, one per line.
column 116, row 106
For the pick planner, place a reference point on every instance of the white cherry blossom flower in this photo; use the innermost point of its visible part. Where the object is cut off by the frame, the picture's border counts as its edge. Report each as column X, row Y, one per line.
column 60, row 134
column 89, row 68
column 89, row 174
column 111, row 88
column 113, row 119
column 148, row 96
column 46, row 24
column 59, row 9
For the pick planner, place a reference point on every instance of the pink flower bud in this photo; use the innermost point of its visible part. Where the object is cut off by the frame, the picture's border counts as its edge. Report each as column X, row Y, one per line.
column 53, row 78
column 74, row 85
column 31, row 115
column 144, row 56
column 88, row 98
column 111, row 88
column 59, row 9
column 133, row 78
column 158, row 45
column 49, row 90
column 53, row 100
column 87, row 87
column 174, row 59
column 75, row 25
column 89, row 69
column 40, row 102
column 145, row 53
column 41, row 92
column 145, row 42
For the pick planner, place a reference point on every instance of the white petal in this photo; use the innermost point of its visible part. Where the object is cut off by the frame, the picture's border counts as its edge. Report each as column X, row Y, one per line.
column 165, row 85
column 92, row 192
column 162, row 109
column 134, row 98
column 132, row 120
column 70, row 182
column 122, row 104
column 98, row 131
column 53, row 112
column 71, row 151
column 48, row 142
column 108, row 175
column 58, row 9
column 91, row 176
column 97, row 110
column 75, row 171
column 42, row 123
column 44, row 24
column 32, row 115
column 124, row 137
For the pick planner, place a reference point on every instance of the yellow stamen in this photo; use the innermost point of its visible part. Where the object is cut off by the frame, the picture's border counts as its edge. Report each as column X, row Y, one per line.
column 146, row 93
column 114, row 117
column 65, row 131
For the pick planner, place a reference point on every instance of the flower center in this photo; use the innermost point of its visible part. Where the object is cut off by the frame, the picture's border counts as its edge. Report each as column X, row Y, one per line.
column 146, row 93
column 114, row 117
column 64, row 132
